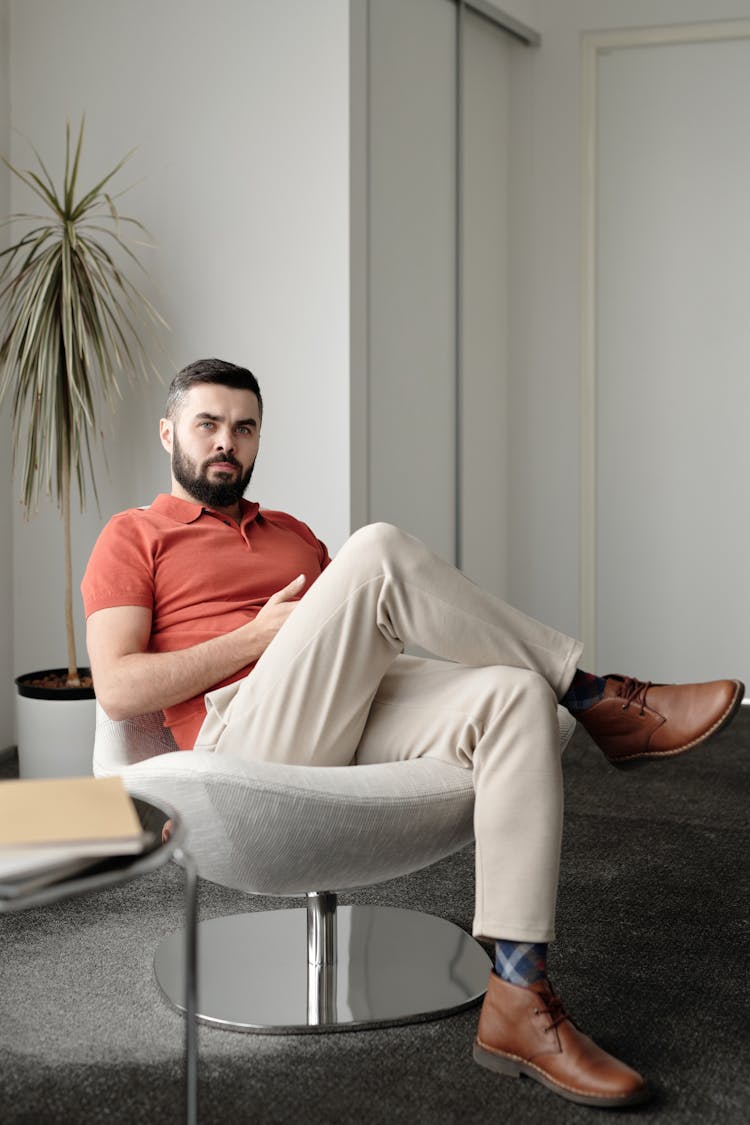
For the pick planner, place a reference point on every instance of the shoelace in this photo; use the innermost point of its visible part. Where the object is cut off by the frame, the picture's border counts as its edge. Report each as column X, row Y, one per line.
column 554, row 1008
column 633, row 691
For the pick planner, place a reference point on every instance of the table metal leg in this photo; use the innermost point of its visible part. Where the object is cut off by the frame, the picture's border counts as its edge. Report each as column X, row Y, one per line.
column 191, row 985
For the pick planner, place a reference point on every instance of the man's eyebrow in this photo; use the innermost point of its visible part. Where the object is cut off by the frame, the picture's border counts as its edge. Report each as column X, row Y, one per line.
column 204, row 415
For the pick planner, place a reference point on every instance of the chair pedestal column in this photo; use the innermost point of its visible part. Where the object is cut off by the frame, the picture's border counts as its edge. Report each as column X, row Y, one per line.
column 321, row 957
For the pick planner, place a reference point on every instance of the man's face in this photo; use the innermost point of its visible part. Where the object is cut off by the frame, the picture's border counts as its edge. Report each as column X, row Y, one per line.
column 213, row 442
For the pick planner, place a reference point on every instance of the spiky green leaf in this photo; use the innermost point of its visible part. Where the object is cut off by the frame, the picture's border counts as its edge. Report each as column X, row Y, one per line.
column 71, row 322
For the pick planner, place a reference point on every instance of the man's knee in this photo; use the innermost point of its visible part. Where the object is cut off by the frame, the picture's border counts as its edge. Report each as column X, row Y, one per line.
column 380, row 539
column 534, row 693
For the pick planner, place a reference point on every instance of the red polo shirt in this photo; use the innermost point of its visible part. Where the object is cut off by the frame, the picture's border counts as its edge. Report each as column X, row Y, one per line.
column 201, row 575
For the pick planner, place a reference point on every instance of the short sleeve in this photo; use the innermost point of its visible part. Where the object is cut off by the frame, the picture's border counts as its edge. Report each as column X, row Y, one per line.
column 120, row 570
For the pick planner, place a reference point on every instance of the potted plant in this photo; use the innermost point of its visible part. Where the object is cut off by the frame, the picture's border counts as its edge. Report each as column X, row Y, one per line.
column 70, row 320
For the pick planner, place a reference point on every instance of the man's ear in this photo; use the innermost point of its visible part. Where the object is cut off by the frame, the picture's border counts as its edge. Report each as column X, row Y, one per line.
column 166, row 430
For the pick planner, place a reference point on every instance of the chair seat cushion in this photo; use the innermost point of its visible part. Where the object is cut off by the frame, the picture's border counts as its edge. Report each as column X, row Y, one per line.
column 283, row 830
column 277, row 829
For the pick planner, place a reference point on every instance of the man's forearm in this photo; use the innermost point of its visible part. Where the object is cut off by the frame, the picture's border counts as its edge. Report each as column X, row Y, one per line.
column 141, row 682
column 130, row 680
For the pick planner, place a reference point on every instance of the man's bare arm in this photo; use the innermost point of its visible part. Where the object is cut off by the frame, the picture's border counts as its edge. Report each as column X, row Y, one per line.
column 129, row 680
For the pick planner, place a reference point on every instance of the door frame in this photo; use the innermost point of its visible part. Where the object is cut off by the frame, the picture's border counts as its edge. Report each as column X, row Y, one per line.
column 595, row 44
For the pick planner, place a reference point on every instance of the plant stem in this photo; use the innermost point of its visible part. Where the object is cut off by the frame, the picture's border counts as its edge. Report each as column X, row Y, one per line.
column 73, row 677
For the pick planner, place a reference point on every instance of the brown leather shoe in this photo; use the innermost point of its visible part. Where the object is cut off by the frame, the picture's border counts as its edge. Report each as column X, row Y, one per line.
column 636, row 722
column 527, row 1031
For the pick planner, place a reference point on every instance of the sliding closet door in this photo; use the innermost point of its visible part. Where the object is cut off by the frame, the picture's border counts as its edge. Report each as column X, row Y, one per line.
column 438, row 111
column 672, row 364
column 483, row 361
column 411, row 304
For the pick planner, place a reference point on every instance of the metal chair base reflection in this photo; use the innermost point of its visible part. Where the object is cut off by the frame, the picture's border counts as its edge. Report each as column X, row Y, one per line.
column 327, row 968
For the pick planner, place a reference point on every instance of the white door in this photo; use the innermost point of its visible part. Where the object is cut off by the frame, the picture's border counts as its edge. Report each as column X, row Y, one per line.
column 672, row 360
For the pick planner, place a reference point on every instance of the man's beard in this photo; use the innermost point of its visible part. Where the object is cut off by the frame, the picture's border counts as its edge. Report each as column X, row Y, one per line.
column 213, row 494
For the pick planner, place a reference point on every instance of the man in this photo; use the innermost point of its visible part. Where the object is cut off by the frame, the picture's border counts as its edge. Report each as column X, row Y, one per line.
column 235, row 622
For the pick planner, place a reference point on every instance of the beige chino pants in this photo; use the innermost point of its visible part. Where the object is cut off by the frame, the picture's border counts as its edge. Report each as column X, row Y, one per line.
column 333, row 688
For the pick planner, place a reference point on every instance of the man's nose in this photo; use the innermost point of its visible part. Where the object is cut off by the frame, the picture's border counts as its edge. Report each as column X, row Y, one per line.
column 225, row 440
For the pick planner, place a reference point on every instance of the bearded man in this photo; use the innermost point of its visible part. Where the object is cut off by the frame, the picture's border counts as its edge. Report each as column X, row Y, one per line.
column 234, row 621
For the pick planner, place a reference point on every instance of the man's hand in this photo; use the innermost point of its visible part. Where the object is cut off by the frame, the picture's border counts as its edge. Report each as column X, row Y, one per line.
column 275, row 612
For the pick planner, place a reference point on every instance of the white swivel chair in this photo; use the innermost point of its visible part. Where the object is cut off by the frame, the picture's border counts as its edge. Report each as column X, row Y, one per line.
column 286, row 830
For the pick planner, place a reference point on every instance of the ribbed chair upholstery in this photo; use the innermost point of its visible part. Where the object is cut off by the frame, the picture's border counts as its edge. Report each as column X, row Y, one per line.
column 282, row 830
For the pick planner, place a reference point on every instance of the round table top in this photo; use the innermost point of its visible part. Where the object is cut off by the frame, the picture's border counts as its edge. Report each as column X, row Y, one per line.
column 104, row 871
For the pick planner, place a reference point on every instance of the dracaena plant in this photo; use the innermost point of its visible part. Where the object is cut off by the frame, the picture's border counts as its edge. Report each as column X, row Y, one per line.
column 71, row 322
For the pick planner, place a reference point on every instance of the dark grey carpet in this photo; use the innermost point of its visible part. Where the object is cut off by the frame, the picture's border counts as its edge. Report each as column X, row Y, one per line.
column 653, row 928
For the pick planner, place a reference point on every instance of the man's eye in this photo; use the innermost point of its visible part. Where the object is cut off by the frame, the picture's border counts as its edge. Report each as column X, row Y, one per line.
column 243, row 430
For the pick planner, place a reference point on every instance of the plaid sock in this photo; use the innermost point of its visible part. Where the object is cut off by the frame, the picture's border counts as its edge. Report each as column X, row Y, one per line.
column 584, row 691
column 521, row 962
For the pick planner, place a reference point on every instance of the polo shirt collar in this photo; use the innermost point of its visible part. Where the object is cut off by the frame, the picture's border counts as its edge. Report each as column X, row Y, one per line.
column 185, row 511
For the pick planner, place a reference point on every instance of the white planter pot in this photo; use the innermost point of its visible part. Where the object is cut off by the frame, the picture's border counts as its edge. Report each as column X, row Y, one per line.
column 55, row 736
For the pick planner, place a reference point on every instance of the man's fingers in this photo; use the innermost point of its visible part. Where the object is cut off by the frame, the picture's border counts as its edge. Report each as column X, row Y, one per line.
column 288, row 592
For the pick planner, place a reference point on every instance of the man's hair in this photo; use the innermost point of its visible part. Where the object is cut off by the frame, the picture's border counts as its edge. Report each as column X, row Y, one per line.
column 210, row 371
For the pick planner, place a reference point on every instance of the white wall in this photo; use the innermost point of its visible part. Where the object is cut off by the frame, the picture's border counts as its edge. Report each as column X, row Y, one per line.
column 6, row 506
column 239, row 109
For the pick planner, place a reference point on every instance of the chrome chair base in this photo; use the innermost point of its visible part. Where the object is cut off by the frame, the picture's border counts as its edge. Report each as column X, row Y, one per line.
column 327, row 968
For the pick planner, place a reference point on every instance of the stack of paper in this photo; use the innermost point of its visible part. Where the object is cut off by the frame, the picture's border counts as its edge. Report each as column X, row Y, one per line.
column 51, row 828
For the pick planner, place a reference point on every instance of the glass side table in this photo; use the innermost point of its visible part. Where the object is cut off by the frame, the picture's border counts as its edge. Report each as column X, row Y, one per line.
column 120, row 869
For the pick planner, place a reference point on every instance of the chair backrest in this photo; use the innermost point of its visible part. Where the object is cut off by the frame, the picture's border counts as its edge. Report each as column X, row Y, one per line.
column 124, row 742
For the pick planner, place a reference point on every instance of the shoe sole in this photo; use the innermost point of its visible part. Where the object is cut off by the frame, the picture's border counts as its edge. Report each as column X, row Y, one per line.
column 513, row 1067
column 646, row 756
